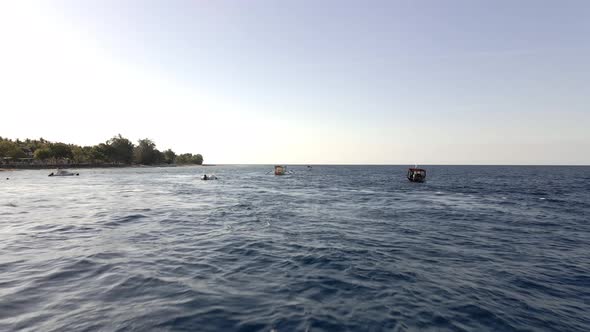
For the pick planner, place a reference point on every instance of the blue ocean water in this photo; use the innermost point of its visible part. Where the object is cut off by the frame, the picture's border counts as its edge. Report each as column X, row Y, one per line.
column 332, row 248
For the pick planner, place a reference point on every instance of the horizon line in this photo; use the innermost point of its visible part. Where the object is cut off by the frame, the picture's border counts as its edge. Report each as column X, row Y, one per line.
column 330, row 164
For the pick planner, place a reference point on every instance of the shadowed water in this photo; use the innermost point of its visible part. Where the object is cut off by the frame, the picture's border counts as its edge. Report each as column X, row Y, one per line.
column 334, row 248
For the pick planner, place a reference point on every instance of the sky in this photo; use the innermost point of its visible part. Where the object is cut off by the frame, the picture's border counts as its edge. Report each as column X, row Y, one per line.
column 304, row 82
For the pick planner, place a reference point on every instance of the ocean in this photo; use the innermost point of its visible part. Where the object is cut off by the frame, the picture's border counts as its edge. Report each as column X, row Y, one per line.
column 331, row 248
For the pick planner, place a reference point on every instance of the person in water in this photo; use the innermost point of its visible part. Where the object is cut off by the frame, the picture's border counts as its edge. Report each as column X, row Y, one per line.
column 205, row 177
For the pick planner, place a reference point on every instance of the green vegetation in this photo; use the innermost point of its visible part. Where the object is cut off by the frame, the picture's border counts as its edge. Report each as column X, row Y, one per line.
column 117, row 150
column 146, row 153
column 188, row 158
column 11, row 149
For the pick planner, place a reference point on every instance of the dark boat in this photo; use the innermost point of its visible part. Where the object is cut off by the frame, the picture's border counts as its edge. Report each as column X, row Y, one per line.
column 417, row 174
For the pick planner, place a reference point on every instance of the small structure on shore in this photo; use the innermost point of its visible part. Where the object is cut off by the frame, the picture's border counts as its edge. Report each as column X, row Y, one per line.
column 280, row 170
column 417, row 174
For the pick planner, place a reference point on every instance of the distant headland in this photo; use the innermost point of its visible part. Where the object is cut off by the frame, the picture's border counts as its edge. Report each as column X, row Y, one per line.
column 115, row 152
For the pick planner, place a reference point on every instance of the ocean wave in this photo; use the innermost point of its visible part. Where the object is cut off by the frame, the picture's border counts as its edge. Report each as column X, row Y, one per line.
column 472, row 249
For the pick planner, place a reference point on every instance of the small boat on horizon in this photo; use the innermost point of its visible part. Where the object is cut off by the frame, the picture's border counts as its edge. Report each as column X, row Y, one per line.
column 280, row 170
column 416, row 174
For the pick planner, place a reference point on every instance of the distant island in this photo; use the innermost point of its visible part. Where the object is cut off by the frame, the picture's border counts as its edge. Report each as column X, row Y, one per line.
column 115, row 152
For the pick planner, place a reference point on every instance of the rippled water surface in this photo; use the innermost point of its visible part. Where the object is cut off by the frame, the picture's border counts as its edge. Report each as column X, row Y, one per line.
column 334, row 248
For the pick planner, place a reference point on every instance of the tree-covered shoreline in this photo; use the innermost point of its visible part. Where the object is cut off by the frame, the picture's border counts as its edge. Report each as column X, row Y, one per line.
column 115, row 151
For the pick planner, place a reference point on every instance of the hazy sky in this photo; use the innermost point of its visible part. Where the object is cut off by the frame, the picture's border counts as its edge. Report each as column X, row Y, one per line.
column 454, row 82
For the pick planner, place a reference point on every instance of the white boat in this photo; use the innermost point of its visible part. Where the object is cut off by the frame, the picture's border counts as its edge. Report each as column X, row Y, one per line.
column 61, row 172
column 208, row 177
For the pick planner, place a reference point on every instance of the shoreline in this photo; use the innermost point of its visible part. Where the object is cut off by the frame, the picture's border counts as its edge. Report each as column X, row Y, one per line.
column 5, row 168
